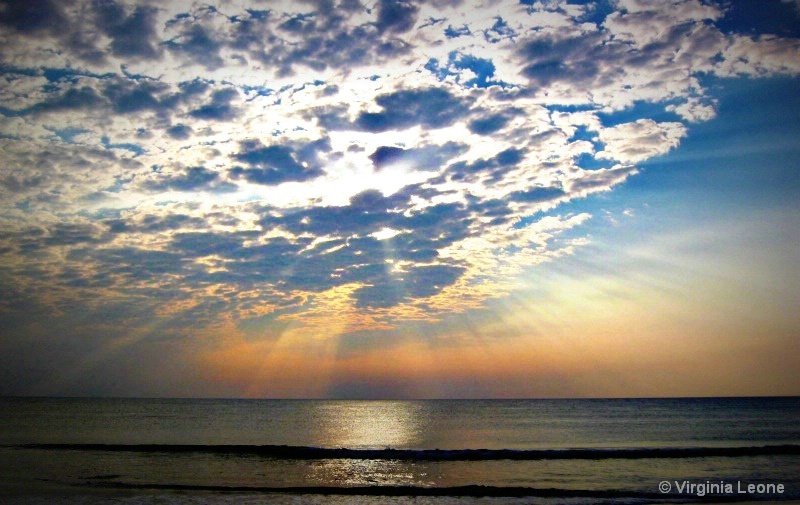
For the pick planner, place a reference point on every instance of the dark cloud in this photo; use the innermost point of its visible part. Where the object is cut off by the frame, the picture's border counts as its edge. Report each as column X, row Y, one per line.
column 363, row 259
column 192, row 179
column 206, row 243
column 150, row 223
column 441, row 224
column 74, row 233
column 331, row 45
column 277, row 164
column 319, row 38
column 136, row 149
column 180, row 132
column 356, row 256
column 198, row 43
column 53, row 173
column 427, row 280
column 130, row 96
column 30, row 16
column 572, row 59
column 277, row 261
column 396, row 16
column 316, row 39
column 197, row 86
column 392, row 288
column 332, row 117
column 131, row 263
column 323, row 38
column 487, row 170
column 538, row 194
column 386, row 155
column 70, row 90
column 431, row 107
column 452, row 33
column 220, row 108
column 488, row 124
column 299, row 23
column 83, row 97
column 132, row 35
column 31, row 239
column 19, row 183
column 411, row 246
column 431, row 157
column 591, row 61
column 368, row 212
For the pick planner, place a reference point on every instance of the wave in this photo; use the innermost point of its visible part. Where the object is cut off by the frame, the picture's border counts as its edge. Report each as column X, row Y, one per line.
column 308, row 453
column 473, row 490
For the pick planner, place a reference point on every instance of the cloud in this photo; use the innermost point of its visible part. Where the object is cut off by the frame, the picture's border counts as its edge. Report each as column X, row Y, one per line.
column 190, row 179
column 640, row 140
column 196, row 39
column 366, row 212
column 128, row 96
column 180, row 131
column 220, row 108
column 425, row 158
column 396, row 15
column 206, row 243
column 277, row 164
column 288, row 162
column 153, row 223
column 489, row 124
column 490, row 169
column 31, row 17
column 73, row 98
column 390, row 290
column 132, row 35
column 573, row 59
column 432, row 108
column 538, row 194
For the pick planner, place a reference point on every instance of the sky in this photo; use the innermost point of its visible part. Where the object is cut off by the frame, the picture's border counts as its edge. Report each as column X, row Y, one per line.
column 399, row 199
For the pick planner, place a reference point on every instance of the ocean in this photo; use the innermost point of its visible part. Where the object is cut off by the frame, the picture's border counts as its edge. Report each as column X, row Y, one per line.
column 79, row 450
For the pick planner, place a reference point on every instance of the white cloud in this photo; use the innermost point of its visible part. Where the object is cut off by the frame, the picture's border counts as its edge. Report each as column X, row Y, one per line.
column 639, row 140
column 762, row 56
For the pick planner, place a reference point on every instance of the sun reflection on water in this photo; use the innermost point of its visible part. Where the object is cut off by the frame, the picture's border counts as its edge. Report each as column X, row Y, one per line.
column 369, row 424
column 367, row 472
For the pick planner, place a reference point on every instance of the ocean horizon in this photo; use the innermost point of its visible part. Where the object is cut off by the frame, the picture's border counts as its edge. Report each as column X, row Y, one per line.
column 118, row 450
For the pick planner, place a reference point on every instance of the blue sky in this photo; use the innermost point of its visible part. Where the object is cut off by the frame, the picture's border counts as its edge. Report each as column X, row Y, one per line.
column 393, row 199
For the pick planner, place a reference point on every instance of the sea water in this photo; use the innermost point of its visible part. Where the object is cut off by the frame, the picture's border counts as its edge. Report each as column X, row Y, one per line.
column 67, row 450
